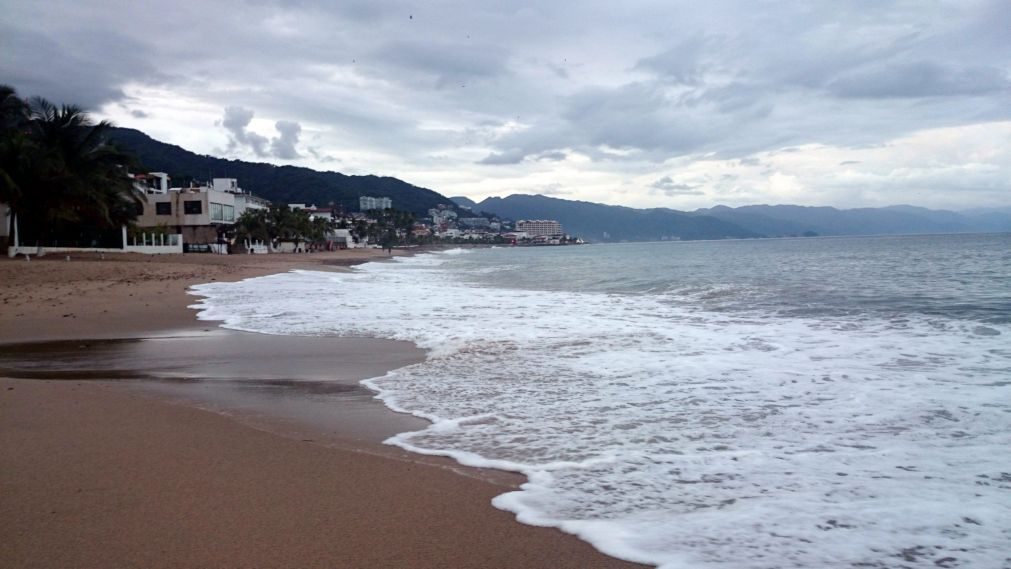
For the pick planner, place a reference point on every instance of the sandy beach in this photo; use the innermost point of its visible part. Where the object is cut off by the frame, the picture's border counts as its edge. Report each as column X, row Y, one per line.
column 201, row 448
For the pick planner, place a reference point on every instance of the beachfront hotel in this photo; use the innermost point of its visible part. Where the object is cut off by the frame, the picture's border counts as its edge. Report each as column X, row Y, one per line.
column 535, row 227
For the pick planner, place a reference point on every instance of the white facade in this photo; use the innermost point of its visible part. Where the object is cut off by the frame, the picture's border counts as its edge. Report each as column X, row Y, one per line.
column 343, row 239
column 152, row 182
column 535, row 227
column 366, row 203
column 230, row 185
column 246, row 202
column 198, row 213
column 441, row 216
column 515, row 236
column 450, row 233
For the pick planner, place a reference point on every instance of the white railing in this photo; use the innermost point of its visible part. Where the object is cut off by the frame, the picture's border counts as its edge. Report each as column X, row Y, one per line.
column 154, row 243
column 256, row 247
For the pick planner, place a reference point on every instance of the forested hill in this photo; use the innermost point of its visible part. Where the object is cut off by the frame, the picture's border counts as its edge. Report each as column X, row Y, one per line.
column 287, row 184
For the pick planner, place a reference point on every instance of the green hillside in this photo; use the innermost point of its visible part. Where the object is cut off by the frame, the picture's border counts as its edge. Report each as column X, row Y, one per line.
column 287, row 184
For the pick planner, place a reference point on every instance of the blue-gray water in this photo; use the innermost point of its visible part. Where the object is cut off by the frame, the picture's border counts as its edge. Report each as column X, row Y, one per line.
column 954, row 276
column 836, row 402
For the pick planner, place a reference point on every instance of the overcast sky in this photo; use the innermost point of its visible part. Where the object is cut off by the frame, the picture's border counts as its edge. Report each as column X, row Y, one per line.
column 648, row 104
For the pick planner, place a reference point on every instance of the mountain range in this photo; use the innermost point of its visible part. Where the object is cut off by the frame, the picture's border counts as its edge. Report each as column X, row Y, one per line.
column 598, row 222
column 591, row 221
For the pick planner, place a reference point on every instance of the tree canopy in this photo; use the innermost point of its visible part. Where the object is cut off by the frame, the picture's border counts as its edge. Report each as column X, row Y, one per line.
column 280, row 222
column 58, row 170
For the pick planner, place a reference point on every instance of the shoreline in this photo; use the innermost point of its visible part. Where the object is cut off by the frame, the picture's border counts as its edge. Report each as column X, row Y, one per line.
column 398, row 508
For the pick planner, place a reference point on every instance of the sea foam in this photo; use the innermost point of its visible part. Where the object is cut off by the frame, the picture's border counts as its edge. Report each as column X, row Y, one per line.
column 680, row 437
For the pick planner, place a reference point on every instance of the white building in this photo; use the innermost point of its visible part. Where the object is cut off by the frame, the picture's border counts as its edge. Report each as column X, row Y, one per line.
column 199, row 213
column 442, row 216
column 535, row 227
column 343, row 240
column 366, row 203
column 152, row 183
column 515, row 236
column 449, row 234
column 327, row 213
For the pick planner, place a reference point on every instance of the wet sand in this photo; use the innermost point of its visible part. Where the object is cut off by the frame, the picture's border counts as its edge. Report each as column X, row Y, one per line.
column 282, row 384
column 231, row 453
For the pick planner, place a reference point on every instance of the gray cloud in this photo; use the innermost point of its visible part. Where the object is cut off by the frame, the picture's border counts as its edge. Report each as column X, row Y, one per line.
column 920, row 79
column 284, row 145
column 514, row 156
column 451, row 64
column 528, row 83
column 236, row 121
column 322, row 157
column 672, row 188
column 684, row 63
column 73, row 67
column 552, row 156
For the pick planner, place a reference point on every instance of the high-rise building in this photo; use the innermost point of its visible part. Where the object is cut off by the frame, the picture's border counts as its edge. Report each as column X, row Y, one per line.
column 535, row 227
column 365, row 203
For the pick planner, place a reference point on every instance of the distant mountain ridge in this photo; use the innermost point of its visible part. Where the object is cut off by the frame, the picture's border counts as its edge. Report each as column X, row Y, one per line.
column 464, row 201
column 592, row 221
column 785, row 220
column 598, row 222
column 288, row 184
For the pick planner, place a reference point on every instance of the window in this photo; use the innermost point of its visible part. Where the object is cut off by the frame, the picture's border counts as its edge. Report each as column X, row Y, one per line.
column 193, row 207
column 163, row 208
column 216, row 212
column 229, row 212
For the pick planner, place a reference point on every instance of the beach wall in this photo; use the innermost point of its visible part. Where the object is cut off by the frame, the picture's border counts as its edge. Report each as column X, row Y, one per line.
column 149, row 244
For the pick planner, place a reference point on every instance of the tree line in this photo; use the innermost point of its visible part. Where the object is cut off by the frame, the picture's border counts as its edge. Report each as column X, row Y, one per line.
column 280, row 223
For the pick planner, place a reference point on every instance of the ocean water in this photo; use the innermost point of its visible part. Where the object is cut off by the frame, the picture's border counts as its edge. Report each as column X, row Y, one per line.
column 831, row 402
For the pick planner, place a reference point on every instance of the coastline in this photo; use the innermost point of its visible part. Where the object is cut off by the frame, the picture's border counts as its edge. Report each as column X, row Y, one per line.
column 100, row 476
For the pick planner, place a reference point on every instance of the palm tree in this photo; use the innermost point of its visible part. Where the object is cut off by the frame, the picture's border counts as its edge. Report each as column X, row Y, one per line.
column 13, row 110
column 80, row 177
column 57, row 170
column 16, row 152
column 13, row 143
column 254, row 226
column 319, row 229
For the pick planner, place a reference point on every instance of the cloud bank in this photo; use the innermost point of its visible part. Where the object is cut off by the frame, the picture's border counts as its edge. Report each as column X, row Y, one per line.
column 644, row 104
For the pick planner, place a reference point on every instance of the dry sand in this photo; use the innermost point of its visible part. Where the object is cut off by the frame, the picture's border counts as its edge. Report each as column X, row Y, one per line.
column 94, row 475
